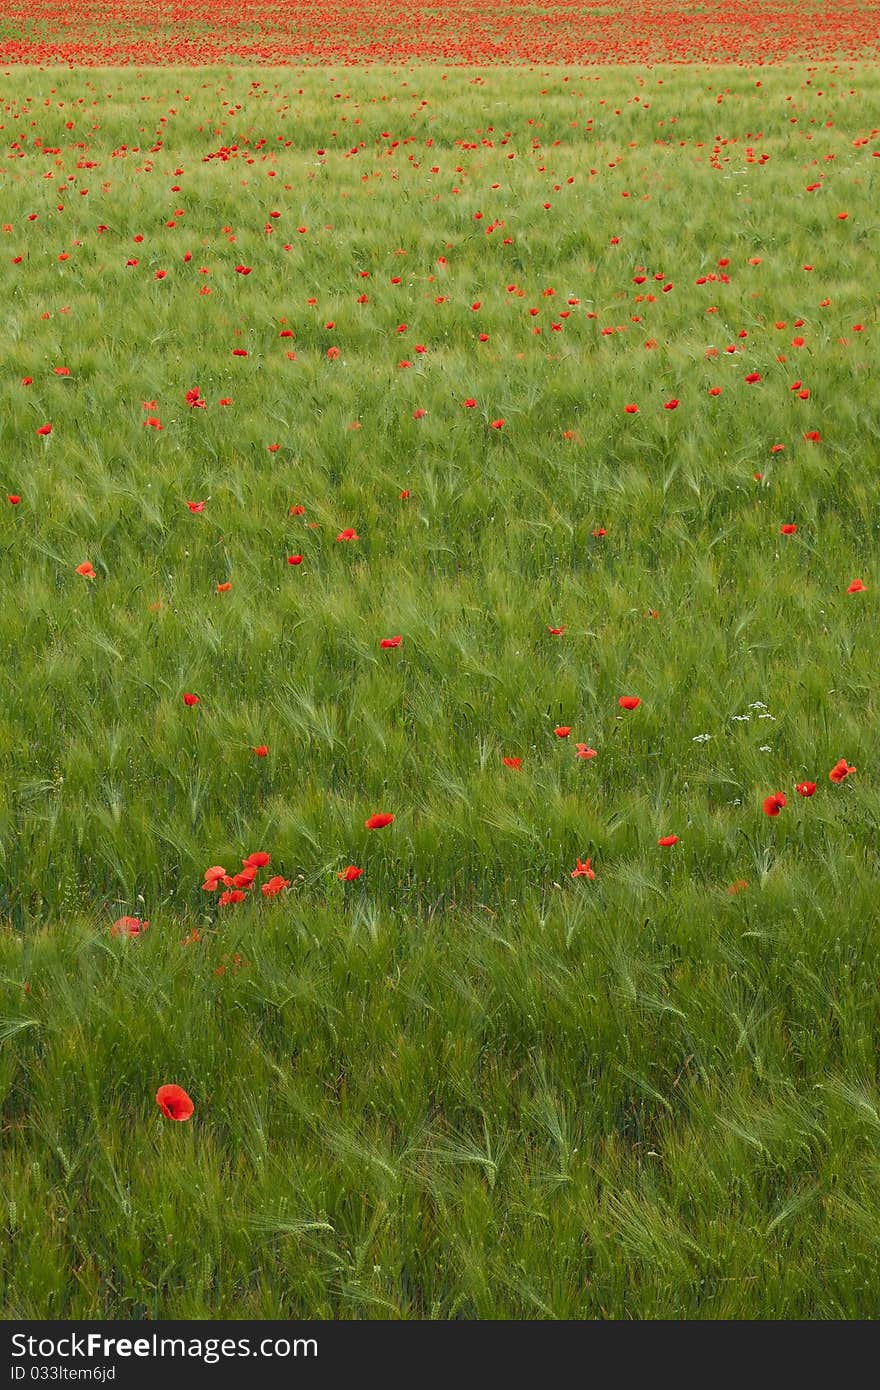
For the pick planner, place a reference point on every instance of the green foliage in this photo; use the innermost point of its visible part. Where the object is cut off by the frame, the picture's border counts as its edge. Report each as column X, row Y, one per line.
column 464, row 1085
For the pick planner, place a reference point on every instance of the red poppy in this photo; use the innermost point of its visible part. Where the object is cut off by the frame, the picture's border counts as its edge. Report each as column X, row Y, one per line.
column 196, row 506
column 788, row 528
column 174, row 1102
column 294, row 559
column 388, row 642
column 191, row 699
column 583, row 870
column 556, row 631
column 629, row 702
column 13, row 499
column 44, row 429
column 515, row 763
column 378, row 821
column 348, row 535
column 224, row 588
column 563, row 731
column 86, row 570
column 856, row 587
column 806, row 788
column 739, row 886
column 273, row 886
column 497, row 424
column 262, row 750
column 128, row 926
column 349, row 874
column 840, row 771
column 631, row 409
column 774, row 804
column 667, row 840
column 258, row 860
column 582, row 751
column 236, row 895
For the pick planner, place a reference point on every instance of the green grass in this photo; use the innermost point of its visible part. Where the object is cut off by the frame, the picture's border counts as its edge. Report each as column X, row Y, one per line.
column 465, row 1085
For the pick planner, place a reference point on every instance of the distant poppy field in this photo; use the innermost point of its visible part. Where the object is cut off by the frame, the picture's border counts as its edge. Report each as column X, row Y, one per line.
column 439, row 860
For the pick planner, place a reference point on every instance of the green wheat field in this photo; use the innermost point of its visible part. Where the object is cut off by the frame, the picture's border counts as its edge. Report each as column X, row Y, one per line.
column 471, row 1081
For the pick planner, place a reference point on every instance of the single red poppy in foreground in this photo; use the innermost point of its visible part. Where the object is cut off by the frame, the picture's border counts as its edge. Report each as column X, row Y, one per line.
column 294, row 559
column 379, row 821
column 348, row 535
column 262, row 750
column 583, row 870
column 224, row 587
column 274, row 886
column 666, row 840
column 788, row 528
column 349, row 874
column 774, row 804
column 582, row 751
column 556, row 631
column 629, row 702
column 174, row 1102
column 856, row 587
column 44, row 429
column 806, row 788
column 840, row 771
column 128, row 926
column 563, row 731
column 258, row 860
column 189, row 699
column 86, row 570
column 13, row 499
column 515, row 763
column 389, row 642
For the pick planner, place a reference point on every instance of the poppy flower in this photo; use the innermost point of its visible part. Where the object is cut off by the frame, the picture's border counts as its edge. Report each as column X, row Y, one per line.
column 224, row 588
column 128, row 926
column 774, row 804
column 388, row 642
column 631, row 409
column 191, row 699
column 671, row 404
column 556, row 631
column 196, row 506
column 806, row 788
column 582, row 751
column 262, row 750
column 235, row 895
column 856, row 587
column 583, row 870
column 174, row 1102
column 274, row 885
column 378, row 821
column 667, row 840
column 788, row 528
column 497, row 424
column 563, row 731
column 629, row 702
column 349, row 874
column 258, row 860
column 245, row 877
column 216, row 874
column 294, row 559
column 515, row 763
column 348, row 535
column 44, row 429
column 739, row 886
column 13, row 499
column 840, row 771
column 86, row 570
